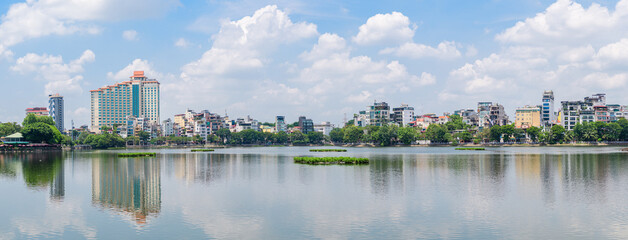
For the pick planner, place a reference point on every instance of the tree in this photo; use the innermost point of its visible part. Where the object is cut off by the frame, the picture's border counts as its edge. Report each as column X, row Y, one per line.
column 557, row 134
column 143, row 136
column 32, row 118
column 455, row 123
column 353, row 134
column 385, row 135
column 623, row 123
column 464, row 136
column 9, row 128
column 41, row 132
column 406, row 135
column 612, row 132
column 250, row 136
column 224, row 134
column 437, row 134
column 533, row 133
column 336, row 135
column 507, row 132
column 495, row 133
column 315, row 137
column 350, row 123
column 298, row 138
column 280, row 138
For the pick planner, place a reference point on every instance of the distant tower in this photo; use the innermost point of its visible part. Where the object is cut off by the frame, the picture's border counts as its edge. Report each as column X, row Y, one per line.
column 547, row 109
column 56, row 110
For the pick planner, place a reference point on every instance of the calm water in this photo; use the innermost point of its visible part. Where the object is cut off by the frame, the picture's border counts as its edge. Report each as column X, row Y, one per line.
column 513, row 193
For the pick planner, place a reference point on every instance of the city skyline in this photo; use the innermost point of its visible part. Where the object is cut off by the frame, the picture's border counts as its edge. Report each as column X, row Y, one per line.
column 317, row 60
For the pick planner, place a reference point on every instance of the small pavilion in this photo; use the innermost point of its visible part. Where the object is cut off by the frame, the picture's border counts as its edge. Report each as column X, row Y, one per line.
column 14, row 139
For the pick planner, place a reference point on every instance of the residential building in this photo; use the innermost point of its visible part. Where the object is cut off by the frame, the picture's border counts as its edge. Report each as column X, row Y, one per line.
column 592, row 109
column 497, row 115
column 361, row 119
column 379, row 114
column 403, row 115
column 548, row 117
column 55, row 102
column 280, row 124
column 469, row 116
column 483, row 113
column 38, row 111
column 306, row 125
column 168, row 127
column 138, row 97
column 324, row 127
column 527, row 116
column 242, row 124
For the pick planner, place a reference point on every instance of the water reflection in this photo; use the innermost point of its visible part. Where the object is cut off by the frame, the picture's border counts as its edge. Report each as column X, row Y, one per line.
column 39, row 170
column 128, row 185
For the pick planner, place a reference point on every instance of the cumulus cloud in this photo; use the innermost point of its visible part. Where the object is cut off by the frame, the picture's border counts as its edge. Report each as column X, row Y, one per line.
column 240, row 48
column 60, row 77
column 385, row 28
column 138, row 65
column 130, row 35
column 568, row 22
column 445, row 50
column 567, row 47
column 39, row 18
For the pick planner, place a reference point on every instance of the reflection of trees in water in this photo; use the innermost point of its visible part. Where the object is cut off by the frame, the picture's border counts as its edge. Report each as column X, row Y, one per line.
column 40, row 170
column 386, row 172
column 128, row 185
column 8, row 166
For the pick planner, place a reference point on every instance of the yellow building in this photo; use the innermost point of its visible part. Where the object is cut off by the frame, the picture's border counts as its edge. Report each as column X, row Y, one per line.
column 527, row 116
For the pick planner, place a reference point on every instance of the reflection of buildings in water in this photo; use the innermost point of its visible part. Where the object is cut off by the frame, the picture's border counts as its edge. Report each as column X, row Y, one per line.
column 57, row 187
column 588, row 173
column 195, row 167
column 128, row 185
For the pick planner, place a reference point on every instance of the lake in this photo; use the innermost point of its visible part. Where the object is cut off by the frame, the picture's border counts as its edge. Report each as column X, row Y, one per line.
column 259, row 193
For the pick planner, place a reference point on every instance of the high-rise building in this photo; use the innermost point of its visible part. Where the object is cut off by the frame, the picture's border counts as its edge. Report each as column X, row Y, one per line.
column 138, row 97
column 527, row 116
column 38, row 111
column 547, row 109
column 280, row 124
column 56, row 110
column 306, row 125
column 403, row 115
column 484, row 110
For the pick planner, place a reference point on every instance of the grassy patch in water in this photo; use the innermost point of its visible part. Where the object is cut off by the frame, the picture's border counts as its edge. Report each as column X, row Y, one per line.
column 330, row 160
column 137, row 154
column 328, row 150
column 203, row 150
column 471, row 148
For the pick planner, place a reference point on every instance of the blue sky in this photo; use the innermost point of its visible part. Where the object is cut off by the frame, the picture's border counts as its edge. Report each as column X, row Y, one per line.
column 321, row 59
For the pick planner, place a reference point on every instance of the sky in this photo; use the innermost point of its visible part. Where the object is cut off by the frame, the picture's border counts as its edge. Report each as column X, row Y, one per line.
column 322, row 59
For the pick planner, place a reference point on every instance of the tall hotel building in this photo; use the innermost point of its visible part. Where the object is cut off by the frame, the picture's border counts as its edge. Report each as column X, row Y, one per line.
column 138, row 97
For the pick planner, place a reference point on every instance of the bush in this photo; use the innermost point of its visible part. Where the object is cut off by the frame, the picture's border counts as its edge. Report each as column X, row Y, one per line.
column 137, row 154
column 328, row 150
column 330, row 160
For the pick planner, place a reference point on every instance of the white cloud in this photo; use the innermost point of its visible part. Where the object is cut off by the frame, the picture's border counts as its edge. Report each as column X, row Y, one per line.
column 130, row 35
column 138, row 65
column 568, row 22
column 34, row 19
column 327, row 45
column 385, row 28
column 240, row 48
column 181, row 42
column 362, row 97
column 564, row 47
column 60, row 77
column 445, row 50
column 605, row 81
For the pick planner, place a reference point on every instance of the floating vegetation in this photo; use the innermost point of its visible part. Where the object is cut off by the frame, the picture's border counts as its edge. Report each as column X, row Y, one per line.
column 203, row 150
column 471, row 148
column 330, row 160
column 328, row 150
column 137, row 154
